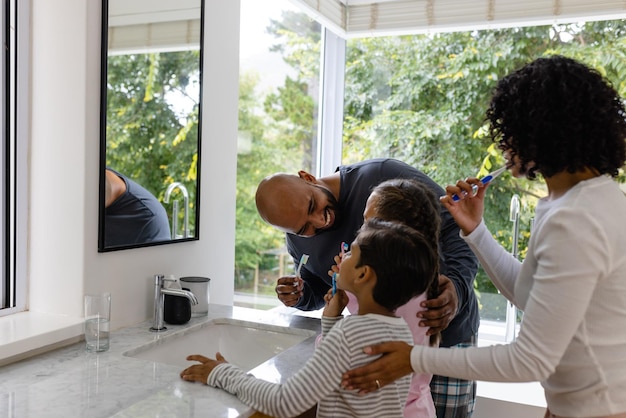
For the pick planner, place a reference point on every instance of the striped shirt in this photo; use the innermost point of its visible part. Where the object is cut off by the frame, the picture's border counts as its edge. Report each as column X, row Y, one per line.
column 319, row 380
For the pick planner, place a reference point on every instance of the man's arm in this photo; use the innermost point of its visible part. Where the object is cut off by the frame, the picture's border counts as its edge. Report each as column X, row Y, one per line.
column 456, row 285
column 458, row 268
column 460, row 264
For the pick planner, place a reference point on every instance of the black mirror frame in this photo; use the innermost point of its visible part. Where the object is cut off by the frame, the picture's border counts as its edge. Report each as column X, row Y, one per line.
column 103, row 139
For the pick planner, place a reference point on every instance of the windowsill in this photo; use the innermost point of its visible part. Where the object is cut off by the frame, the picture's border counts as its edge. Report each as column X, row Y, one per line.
column 528, row 393
column 26, row 334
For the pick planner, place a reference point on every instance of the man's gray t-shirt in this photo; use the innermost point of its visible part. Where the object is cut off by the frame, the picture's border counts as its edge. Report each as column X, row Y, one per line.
column 136, row 217
column 457, row 261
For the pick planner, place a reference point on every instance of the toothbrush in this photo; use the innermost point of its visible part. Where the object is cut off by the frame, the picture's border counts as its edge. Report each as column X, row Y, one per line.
column 485, row 180
column 303, row 260
column 344, row 248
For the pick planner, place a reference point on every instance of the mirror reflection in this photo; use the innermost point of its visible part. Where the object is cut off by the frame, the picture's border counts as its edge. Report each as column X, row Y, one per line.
column 150, row 122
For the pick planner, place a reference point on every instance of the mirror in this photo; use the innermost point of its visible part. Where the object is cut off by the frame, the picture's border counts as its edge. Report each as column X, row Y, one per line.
column 150, row 122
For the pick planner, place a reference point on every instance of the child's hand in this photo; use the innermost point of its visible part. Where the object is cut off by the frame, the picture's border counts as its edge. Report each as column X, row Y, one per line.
column 337, row 259
column 335, row 267
column 335, row 304
column 200, row 372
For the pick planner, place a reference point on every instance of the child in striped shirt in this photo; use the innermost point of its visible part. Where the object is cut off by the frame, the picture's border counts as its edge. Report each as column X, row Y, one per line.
column 388, row 264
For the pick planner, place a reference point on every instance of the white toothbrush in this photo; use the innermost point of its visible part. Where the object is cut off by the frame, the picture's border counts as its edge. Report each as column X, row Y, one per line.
column 303, row 260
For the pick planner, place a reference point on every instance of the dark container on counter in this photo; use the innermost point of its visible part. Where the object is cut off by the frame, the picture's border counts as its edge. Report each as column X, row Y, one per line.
column 176, row 310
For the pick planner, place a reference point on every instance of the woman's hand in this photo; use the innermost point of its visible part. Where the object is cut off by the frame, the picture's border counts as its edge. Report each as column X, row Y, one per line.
column 200, row 372
column 395, row 363
column 467, row 211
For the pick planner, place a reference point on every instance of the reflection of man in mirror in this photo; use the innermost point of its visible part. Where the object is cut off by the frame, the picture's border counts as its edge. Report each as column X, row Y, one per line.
column 132, row 215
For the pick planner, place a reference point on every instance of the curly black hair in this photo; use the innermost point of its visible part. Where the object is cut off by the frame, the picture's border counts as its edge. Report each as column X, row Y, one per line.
column 557, row 114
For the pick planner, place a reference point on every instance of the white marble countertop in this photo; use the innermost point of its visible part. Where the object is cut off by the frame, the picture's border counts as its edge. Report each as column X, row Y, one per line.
column 70, row 382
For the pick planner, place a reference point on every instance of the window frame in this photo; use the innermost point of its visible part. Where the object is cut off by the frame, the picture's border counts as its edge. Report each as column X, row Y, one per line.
column 330, row 141
column 332, row 80
column 14, row 179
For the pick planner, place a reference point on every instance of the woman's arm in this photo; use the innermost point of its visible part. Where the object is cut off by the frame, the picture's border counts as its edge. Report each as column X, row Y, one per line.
column 568, row 258
column 394, row 364
column 500, row 265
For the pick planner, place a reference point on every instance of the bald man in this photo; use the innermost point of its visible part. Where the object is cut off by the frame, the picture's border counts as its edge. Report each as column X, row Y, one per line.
column 317, row 215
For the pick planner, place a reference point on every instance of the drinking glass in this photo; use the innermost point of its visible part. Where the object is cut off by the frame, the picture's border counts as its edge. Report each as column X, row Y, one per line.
column 97, row 321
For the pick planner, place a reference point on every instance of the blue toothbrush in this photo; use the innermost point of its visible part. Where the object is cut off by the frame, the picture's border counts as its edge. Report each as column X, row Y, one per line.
column 344, row 248
column 485, row 180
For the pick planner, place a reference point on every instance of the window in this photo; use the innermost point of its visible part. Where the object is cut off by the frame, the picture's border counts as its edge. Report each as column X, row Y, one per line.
column 13, row 173
column 419, row 98
column 278, row 119
column 422, row 99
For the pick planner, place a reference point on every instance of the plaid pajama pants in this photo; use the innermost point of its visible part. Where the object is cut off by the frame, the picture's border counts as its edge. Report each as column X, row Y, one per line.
column 454, row 398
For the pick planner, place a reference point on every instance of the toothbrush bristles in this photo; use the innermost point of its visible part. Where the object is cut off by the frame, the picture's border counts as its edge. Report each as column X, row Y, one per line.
column 303, row 260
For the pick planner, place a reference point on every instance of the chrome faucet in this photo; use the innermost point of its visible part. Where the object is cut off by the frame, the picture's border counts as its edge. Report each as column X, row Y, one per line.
column 159, row 300
column 166, row 199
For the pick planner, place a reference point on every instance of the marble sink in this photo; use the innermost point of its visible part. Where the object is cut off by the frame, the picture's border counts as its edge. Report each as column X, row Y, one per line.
column 246, row 344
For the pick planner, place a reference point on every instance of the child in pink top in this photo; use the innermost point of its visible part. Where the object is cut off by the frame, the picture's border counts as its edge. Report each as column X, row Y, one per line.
column 419, row 403
column 409, row 202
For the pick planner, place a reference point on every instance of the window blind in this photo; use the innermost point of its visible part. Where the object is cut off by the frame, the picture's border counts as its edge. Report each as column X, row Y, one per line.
column 153, row 25
column 357, row 18
column 161, row 36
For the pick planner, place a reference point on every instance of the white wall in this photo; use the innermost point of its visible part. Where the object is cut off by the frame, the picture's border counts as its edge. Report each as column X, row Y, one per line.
column 63, row 259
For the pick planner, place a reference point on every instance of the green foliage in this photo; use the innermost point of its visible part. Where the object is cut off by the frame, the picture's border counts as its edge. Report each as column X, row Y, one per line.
column 276, row 134
column 421, row 99
column 149, row 138
column 252, row 166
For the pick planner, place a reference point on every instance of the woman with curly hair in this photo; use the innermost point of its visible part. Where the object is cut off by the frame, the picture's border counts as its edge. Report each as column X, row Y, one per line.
column 557, row 118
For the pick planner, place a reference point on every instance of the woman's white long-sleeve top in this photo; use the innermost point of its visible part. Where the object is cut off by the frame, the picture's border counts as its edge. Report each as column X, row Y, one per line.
column 572, row 289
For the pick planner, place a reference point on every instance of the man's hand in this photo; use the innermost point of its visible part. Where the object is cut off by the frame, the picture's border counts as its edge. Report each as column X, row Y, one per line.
column 289, row 290
column 395, row 363
column 200, row 372
column 442, row 310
